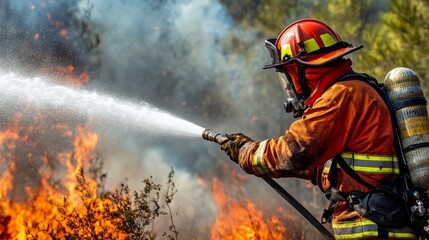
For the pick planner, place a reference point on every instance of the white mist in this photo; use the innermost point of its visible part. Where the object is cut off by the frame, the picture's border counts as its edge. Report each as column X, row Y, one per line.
column 44, row 95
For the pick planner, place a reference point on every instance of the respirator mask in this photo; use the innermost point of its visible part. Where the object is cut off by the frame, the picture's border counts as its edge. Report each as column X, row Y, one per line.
column 294, row 101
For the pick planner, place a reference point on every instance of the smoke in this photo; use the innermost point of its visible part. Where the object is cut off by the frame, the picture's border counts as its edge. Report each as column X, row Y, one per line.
column 180, row 56
column 168, row 53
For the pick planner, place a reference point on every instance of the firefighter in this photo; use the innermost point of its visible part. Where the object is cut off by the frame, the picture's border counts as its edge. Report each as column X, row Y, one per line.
column 341, row 118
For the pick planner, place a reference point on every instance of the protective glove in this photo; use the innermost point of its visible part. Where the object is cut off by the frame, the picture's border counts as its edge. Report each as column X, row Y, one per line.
column 233, row 144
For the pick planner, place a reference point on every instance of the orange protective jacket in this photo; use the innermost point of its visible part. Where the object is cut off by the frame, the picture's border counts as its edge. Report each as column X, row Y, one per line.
column 349, row 116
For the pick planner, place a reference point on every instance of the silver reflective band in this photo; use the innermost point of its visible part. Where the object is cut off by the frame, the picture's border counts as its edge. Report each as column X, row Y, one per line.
column 258, row 159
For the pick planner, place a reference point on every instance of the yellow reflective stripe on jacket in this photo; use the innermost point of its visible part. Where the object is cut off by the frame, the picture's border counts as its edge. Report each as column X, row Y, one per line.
column 258, row 159
column 371, row 163
column 368, row 157
column 366, row 228
column 364, row 235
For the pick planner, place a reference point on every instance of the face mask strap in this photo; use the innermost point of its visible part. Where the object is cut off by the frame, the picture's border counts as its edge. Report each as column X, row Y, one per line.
column 302, row 80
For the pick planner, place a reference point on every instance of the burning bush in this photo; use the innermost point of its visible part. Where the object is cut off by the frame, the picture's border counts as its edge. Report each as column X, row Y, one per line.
column 121, row 214
column 46, row 194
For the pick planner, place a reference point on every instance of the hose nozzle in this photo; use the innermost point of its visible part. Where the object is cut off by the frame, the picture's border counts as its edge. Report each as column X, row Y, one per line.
column 213, row 136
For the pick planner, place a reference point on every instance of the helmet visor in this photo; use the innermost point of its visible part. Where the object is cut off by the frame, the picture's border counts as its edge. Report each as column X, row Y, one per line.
column 272, row 49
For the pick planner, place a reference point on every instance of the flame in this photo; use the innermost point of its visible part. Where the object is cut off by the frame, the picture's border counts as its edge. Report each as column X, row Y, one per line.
column 40, row 183
column 68, row 74
column 62, row 32
column 243, row 220
column 36, row 211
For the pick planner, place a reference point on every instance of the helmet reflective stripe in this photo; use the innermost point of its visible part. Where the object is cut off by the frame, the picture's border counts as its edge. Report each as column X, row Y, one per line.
column 285, row 50
column 258, row 159
column 366, row 228
column 371, row 163
column 311, row 45
column 328, row 40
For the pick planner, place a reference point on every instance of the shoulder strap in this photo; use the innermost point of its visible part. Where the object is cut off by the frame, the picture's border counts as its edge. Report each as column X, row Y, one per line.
column 365, row 78
column 338, row 159
column 382, row 92
column 333, row 175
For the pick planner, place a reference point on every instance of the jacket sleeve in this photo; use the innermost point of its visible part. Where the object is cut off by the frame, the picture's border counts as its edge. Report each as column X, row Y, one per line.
column 308, row 143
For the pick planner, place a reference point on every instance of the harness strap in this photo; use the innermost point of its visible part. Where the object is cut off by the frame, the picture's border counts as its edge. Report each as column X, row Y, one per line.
column 383, row 233
column 397, row 167
column 333, row 174
column 327, row 213
column 379, row 88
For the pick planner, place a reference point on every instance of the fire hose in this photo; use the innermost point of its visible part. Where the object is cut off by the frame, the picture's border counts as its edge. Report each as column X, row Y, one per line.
column 218, row 138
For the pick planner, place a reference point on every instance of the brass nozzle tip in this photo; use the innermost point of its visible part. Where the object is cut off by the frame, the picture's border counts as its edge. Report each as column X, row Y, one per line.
column 213, row 136
column 210, row 135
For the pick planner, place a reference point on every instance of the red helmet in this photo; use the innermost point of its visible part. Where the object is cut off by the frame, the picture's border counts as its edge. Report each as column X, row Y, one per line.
column 309, row 42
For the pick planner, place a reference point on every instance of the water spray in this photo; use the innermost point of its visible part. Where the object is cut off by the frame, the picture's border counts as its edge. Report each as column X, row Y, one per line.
column 220, row 139
column 113, row 112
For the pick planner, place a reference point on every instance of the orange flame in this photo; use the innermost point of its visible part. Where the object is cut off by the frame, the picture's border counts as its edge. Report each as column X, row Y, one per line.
column 18, row 219
column 242, row 219
column 31, row 206
column 68, row 74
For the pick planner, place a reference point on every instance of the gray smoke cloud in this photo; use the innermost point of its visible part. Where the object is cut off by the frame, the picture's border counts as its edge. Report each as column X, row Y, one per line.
column 170, row 54
column 173, row 54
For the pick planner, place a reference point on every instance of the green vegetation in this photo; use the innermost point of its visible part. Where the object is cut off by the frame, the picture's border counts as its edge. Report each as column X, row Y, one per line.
column 392, row 31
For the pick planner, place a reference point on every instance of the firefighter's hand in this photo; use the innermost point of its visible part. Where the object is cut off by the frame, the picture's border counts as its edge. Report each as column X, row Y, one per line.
column 233, row 144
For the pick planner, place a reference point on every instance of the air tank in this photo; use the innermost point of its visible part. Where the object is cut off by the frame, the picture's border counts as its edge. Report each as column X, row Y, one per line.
column 409, row 107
